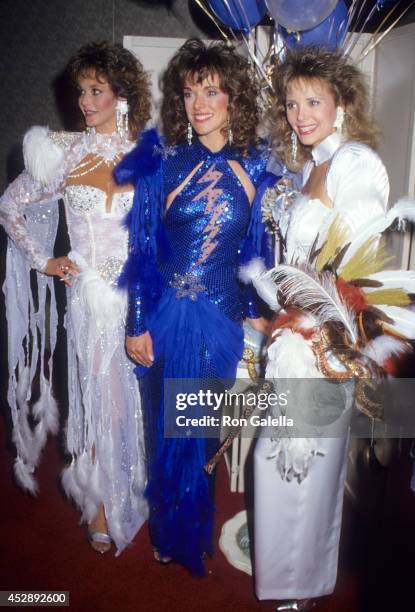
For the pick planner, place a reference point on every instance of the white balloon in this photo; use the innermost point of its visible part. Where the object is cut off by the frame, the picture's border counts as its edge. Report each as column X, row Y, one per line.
column 298, row 15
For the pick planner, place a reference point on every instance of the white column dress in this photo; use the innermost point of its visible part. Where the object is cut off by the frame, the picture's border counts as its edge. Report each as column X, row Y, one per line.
column 297, row 524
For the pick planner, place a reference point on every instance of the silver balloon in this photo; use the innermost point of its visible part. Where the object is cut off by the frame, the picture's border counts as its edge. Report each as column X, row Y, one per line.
column 298, row 15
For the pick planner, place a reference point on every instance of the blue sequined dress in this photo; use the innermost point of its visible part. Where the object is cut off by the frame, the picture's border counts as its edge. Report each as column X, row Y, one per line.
column 187, row 295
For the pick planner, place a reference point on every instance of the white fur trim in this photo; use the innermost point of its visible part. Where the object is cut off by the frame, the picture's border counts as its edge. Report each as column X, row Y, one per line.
column 254, row 269
column 42, row 157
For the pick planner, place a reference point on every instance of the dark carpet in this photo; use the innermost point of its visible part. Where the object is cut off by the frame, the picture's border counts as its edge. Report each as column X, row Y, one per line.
column 44, row 548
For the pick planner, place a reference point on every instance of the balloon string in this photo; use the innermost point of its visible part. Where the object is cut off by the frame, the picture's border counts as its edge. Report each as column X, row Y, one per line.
column 209, row 14
column 361, row 28
column 384, row 20
column 375, row 44
column 352, row 12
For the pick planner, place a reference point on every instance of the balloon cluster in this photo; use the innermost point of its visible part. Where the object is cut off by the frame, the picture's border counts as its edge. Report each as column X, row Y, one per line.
column 298, row 23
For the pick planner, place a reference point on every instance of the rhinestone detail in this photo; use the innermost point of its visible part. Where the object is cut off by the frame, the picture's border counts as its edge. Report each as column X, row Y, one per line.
column 187, row 285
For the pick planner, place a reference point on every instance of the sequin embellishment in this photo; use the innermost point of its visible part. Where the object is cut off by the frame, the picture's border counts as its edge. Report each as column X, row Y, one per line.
column 187, row 285
column 111, row 269
column 83, row 198
column 63, row 139
column 213, row 207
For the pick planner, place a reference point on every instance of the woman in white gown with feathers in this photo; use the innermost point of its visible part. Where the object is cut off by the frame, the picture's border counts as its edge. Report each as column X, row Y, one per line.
column 106, row 477
column 320, row 119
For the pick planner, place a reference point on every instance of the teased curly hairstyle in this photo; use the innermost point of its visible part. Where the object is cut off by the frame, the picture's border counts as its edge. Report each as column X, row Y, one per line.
column 124, row 73
column 347, row 85
column 196, row 61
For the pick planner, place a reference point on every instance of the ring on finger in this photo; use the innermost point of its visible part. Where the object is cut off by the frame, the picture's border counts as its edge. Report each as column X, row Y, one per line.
column 65, row 277
column 64, row 268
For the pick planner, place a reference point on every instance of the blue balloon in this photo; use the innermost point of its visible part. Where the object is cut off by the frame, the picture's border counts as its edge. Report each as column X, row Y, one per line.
column 330, row 33
column 239, row 14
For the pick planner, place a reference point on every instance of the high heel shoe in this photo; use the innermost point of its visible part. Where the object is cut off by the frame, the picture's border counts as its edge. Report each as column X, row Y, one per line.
column 296, row 605
column 100, row 542
column 159, row 558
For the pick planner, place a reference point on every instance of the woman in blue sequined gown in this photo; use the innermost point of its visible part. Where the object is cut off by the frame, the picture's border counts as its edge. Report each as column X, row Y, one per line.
column 188, row 227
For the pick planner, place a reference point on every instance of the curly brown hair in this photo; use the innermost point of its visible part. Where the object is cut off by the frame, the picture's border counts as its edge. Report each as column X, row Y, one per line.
column 197, row 61
column 124, row 73
column 346, row 83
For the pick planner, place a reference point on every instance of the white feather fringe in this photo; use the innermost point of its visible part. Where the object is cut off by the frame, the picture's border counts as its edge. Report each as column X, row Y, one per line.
column 256, row 273
column 291, row 356
column 71, row 486
column 42, row 157
column 24, row 476
column 30, row 443
column 81, row 482
column 404, row 209
column 381, row 348
column 294, row 456
column 105, row 305
column 46, row 408
column 393, row 279
column 403, row 320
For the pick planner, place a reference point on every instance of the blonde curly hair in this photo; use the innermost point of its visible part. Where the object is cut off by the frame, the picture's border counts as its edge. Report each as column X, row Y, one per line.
column 346, row 83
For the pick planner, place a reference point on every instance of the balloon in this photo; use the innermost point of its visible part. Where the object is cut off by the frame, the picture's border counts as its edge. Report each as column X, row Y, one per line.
column 330, row 33
column 239, row 14
column 297, row 15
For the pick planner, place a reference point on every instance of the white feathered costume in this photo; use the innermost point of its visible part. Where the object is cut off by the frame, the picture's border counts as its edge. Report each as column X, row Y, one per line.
column 104, row 430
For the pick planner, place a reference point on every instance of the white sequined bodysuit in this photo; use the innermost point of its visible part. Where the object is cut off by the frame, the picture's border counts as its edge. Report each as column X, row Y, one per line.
column 104, row 429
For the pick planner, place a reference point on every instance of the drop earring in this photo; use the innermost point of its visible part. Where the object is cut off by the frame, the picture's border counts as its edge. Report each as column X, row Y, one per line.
column 121, row 118
column 294, row 146
column 230, row 135
column 189, row 134
column 339, row 120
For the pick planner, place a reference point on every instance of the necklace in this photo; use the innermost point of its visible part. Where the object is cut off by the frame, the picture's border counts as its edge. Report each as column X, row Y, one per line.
column 93, row 164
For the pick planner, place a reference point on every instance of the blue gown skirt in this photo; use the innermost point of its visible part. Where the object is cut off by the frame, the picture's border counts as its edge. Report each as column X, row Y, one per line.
column 192, row 339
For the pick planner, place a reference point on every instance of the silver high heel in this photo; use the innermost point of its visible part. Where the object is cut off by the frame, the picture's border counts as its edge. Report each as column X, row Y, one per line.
column 296, row 605
column 97, row 537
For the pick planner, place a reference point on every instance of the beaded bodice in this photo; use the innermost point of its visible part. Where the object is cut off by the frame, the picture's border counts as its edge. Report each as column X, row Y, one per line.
column 94, row 214
column 95, row 232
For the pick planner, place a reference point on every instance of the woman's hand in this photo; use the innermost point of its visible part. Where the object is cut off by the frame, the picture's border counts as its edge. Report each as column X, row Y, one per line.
column 260, row 324
column 140, row 349
column 63, row 267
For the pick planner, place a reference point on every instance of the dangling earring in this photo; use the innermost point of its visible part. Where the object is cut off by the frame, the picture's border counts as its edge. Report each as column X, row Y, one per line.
column 338, row 122
column 121, row 119
column 189, row 134
column 230, row 134
column 294, row 146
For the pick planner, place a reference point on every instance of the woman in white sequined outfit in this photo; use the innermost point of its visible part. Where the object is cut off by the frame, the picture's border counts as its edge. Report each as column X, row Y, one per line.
column 104, row 436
